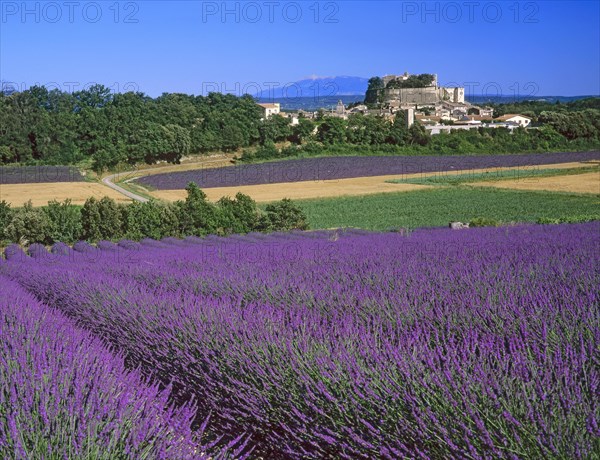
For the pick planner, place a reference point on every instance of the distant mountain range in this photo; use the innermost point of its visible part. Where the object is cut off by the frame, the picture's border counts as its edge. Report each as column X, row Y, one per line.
column 325, row 92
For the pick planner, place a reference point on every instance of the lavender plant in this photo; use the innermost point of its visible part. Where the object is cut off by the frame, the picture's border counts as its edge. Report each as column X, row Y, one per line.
column 435, row 344
column 63, row 394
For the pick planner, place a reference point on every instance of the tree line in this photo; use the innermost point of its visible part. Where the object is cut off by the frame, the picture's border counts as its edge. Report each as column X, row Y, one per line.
column 360, row 134
column 54, row 127
column 97, row 128
column 104, row 219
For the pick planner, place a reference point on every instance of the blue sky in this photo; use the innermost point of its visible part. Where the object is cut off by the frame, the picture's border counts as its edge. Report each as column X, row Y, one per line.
column 543, row 47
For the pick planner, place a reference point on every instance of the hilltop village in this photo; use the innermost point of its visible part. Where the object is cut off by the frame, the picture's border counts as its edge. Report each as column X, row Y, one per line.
column 438, row 108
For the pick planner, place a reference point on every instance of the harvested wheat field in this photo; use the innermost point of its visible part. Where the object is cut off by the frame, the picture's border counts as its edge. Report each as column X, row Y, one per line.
column 300, row 190
column 39, row 194
column 576, row 183
column 339, row 187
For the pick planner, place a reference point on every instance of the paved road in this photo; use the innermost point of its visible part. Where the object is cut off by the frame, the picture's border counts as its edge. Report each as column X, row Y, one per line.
column 108, row 181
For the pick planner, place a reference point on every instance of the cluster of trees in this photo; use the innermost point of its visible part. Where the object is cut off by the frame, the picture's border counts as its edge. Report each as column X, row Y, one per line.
column 533, row 108
column 104, row 219
column 413, row 81
column 374, row 91
column 55, row 127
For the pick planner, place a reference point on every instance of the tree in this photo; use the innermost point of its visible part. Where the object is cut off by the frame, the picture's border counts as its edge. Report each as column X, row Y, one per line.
column 275, row 129
column 196, row 215
column 332, row 131
column 29, row 225
column 418, row 134
column 303, row 131
column 398, row 133
column 5, row 216
column 94, row 97
column 284, row 216
column 367, row 129
column 65, row 221
column 238, row 215
column 374, row 90
column 101, row 219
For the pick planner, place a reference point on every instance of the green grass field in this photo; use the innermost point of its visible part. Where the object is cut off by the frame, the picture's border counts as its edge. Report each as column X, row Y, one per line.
column 438, row 206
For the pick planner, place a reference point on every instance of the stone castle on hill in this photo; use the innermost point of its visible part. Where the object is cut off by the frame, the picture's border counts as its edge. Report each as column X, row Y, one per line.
column 397, row 91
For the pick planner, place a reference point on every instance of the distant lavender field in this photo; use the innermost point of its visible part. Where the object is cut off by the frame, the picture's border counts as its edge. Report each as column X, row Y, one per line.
column 38, row 174
column 331, row 168
column 479, row 343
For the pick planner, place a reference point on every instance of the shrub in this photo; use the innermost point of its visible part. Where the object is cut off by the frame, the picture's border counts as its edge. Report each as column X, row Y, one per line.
column 29, row 225
column 197, row 216
column 238, row 215
column 570, row 219
column 65, row 221
column 100, row 219
column 283, row 216
column 5, row 216
column 484, row 222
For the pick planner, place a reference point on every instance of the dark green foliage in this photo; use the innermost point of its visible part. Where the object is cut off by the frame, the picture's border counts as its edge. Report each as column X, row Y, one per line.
column 371, row 135
column 65, row 221
column 574, row 125
column 368, row 130
column 483, row 222
column 5, row 217
column 197, row 216
column 413, row 81
column 54, row 127
column 275, row 129
column 41, row 126
column 576, row 219
column 374, row 90
column 418, row 135
column 332, row 131
column 149, row 220
column 101, row 220
column 104, row 219
column 303, row 131
column 284, row 215
column 238, row 215
column 29, row 225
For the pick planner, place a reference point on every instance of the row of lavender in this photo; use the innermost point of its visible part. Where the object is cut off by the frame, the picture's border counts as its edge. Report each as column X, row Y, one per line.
column 63, row 394
column 332, row 168
column 38, row 174
column 474, row 344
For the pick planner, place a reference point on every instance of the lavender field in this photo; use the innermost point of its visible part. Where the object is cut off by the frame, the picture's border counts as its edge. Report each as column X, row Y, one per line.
column 38, row 174
column 481, row 343
column 331, row 168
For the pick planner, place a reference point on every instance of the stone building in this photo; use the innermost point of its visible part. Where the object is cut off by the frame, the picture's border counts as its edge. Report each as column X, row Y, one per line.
column 428, row 95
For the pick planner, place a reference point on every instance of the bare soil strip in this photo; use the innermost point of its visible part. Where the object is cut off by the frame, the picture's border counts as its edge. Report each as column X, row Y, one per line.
column 349, row 187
